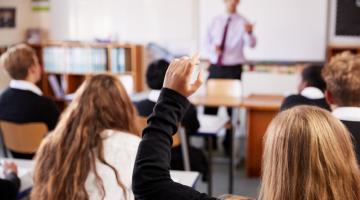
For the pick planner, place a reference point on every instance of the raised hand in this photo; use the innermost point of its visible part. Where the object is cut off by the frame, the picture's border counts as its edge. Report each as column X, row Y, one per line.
column 178, row 76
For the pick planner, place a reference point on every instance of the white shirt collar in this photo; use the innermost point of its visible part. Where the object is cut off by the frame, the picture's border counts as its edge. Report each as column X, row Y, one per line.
column 312, row 93
column 347, row 113
column 25, row 85
column 154, row 95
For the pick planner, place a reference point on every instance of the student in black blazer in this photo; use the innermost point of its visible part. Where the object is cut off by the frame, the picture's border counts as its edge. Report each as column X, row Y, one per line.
column 23, row 101
column 10, row 185
column 291, row 168
column 155, row 78
column 311, row 90
column 342, row 77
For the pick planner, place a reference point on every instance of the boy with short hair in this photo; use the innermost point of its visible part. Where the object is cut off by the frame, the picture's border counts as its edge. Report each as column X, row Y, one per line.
column 342, row 76
column 22, row 101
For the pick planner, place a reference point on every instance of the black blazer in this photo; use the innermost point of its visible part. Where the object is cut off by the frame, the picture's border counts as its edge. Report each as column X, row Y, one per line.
column 151, row 177
column 297, row 100
column 22, row 106
column 354, row 129
column 9, row 187
column 190, row 120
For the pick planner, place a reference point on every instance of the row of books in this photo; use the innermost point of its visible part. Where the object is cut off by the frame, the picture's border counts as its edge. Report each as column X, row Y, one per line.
column 83, row 60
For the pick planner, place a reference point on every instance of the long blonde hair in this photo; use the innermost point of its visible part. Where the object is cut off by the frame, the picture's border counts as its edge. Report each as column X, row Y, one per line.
column 69, row 153
column 308, row 154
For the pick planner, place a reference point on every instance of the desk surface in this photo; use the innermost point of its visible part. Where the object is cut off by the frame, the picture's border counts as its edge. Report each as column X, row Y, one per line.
column 255, row 101
column 185, row 177
column 216, row 101
column 263, row 102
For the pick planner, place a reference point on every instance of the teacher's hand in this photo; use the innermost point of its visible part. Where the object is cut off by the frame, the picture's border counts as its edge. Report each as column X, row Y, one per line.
column 249, row 28
column 179, row 73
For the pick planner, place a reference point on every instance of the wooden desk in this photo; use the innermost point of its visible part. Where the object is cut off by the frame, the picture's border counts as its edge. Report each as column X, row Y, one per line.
column 261, row 109
column 215, row 101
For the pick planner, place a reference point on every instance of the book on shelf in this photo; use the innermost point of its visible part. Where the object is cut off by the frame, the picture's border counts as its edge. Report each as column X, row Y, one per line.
column 118, row 60
column 56, row 86
column 75, row 60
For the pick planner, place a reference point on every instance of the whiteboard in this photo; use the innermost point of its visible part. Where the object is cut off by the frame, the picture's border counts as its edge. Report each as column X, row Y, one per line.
column 287, row 30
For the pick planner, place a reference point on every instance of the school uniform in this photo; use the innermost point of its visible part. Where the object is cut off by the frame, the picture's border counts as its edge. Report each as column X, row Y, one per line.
column 151, row 176
column 9, row 186
column 23, row 102
column 120, row 150
column 350, row 116
column 198, row 161
column 190, row 121
column 311, row 96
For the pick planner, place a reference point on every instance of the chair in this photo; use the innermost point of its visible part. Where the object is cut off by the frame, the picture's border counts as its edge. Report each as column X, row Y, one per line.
column 179, row 138
column 23, row 138
column 223, row 88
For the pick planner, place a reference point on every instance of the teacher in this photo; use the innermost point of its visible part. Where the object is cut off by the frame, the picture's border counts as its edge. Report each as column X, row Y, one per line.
column 227, row 36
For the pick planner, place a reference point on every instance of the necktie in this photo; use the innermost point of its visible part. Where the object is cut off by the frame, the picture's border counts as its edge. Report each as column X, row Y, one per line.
column 223, row 41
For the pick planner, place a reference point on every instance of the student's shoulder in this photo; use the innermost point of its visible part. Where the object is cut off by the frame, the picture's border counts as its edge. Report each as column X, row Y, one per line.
column 120, row 137
column 294, row 97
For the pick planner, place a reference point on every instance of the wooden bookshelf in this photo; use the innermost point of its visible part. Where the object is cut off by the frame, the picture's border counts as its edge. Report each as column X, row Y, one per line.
column 63, row 69
column 332, row 50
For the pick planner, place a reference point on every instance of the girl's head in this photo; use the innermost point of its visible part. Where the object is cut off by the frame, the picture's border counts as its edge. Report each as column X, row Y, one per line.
column 308, row 154
column 68, row 154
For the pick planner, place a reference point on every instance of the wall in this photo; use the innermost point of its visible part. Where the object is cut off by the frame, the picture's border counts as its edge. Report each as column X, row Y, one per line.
column 171, row 23
column 24, row 21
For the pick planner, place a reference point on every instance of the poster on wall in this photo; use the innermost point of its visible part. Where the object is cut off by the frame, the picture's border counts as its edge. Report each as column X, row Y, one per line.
column 348, row 18
column 7, row 17
column 40, row 5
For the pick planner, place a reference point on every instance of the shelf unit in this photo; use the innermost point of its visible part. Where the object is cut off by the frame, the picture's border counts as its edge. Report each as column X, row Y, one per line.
column 73, row 77
column 332, row 50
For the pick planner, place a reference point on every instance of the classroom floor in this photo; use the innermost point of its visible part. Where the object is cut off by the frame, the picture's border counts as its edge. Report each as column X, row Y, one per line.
column 242, row 185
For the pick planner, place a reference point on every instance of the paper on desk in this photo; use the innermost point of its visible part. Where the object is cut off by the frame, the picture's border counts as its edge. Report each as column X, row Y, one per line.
column 211, row 123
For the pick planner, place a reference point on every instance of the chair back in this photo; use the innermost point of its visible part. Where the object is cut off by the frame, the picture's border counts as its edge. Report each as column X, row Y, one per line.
column 223, row 88
column 143, row 123
column 23, row 138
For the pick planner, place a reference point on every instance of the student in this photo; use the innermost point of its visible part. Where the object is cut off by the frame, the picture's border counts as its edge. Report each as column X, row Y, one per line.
column 308, row 153
column 91, row 152
column 23, row 102
column 342, row 76
column 10, row 185
column 155, row 78
column 311, row 90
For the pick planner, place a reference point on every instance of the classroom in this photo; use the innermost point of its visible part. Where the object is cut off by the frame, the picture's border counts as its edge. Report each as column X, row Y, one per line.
column 169, row 99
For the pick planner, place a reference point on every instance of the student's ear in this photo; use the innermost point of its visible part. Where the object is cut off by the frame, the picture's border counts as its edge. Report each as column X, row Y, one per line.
column 32, row 69
column 329, row 98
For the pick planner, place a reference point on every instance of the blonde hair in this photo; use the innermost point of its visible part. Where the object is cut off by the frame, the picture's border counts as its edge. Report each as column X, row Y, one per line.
column 17, row 60
column 342, row 76
column 69, row 153
column 308, row 154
